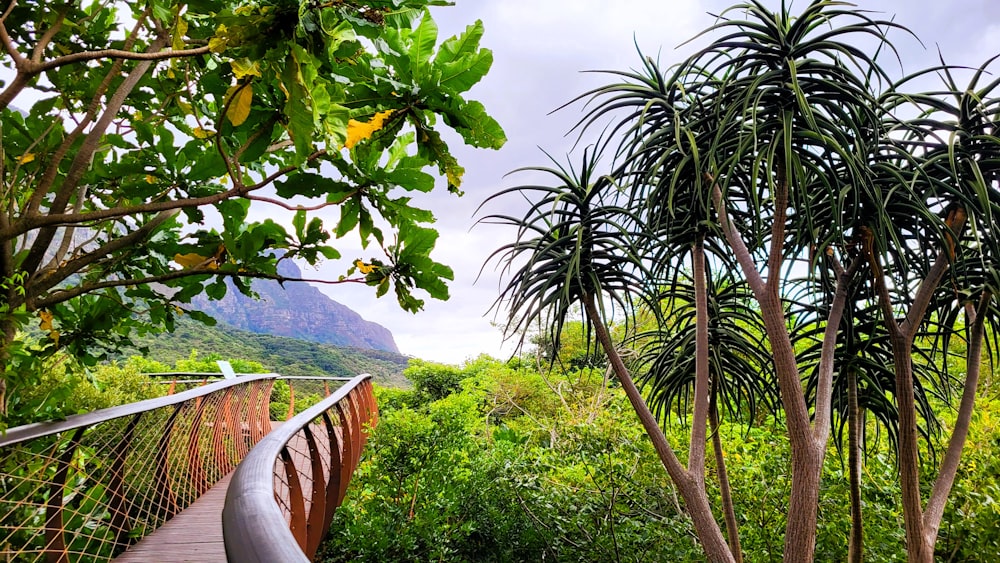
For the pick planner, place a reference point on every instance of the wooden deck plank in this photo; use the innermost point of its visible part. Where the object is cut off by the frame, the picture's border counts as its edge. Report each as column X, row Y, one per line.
column 193, row 536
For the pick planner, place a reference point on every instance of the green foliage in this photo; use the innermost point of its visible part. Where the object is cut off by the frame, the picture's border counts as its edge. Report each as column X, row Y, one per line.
column 280, row 397
column 286, row 356
column 517, row 465
column 63, row 388
column 130, row 179
column 970, row 532
column 433, row 381
column 209, row 364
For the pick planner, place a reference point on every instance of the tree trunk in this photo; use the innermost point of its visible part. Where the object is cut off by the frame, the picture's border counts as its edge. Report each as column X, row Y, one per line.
column 7, row 333
column 949, row 465
column 908, row 452
column 691, row 489
column 856, row 546
column 807, row 448
column 800, row 530
column 728, row 510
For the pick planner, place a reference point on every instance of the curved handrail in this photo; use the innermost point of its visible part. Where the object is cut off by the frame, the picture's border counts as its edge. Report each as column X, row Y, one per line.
column 262, row 524
column 35, row 430
column 90, row 485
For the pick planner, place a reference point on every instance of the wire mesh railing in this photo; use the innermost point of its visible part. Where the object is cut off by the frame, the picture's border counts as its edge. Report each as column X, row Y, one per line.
column 282, row 498
column 85, row 488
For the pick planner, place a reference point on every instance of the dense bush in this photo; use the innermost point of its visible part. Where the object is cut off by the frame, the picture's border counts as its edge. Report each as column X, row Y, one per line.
column 61, row 388
column 517, row 466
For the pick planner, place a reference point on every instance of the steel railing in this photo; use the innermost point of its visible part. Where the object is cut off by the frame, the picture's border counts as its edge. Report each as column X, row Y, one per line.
column 283, row 495
column 87, row 487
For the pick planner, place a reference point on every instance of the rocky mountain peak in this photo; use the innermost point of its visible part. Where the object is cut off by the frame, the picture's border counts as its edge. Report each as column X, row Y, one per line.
column 298, row 310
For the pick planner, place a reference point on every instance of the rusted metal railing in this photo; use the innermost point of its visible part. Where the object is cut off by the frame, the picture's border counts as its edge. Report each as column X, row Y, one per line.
column 85, row 488
column 282, row 497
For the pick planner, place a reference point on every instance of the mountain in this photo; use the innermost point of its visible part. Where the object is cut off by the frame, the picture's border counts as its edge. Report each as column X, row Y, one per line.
column 287, row 356
column 297, row 310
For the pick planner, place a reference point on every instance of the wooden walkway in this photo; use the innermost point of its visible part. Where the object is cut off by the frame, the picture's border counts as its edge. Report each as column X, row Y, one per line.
column 193, row 536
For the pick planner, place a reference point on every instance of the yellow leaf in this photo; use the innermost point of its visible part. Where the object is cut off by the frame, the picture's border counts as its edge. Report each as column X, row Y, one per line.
column 192, row 260
column 180, row 30
column 46, row 323
column 243, row 67
column 26, row 158
column 150, row 179
column 217, row 43
column 364, row 268
column 200, row 133
column 358, row 131
column 195, row 260
column 239, row 105
column 185, row 107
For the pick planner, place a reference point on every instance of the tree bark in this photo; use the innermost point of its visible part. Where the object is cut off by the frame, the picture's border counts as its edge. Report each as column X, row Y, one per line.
column 699, row 416
column 856, row 545
column 807, row 448
column 949, row 465
column 713, row 543
column 725, row 490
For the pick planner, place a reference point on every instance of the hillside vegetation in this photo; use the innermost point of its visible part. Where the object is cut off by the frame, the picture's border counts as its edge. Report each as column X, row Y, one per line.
column 287, row 356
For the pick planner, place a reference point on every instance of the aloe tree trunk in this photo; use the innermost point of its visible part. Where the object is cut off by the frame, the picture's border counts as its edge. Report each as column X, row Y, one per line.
column 725, row 491
column 704, row 400
column 856, row 546
column 931, row 522
column 690, row 485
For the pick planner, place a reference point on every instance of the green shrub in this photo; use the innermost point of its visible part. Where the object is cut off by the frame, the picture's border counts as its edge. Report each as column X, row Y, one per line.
column 60, row 388
column 514, row 465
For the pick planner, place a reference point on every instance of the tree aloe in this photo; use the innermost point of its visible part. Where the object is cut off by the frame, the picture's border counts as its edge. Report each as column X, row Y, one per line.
column 785, row 153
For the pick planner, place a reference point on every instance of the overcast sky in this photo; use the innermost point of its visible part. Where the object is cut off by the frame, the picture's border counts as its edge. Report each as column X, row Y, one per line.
column 540, row 48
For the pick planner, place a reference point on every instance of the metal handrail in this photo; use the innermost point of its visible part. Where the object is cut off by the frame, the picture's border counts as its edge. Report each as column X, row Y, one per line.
column 36, row 430
column 92, row 484
column 269, row 515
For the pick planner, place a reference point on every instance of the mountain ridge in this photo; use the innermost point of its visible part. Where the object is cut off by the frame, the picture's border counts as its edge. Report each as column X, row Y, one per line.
column 281, row 354
column 296, row 310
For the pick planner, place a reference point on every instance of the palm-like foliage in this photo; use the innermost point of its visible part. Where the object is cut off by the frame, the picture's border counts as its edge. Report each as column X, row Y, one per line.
column 779, row 151
column 739, row 363
column 572, row 242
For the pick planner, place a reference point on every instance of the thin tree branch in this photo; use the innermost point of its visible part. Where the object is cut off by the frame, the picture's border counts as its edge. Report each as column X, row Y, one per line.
column 950, row 463
column 290, row 207
column 67, row 239
column 43, row 41
column 121, row 54
column 84, row 155
column 956, row 224
column 51, row 278
column 824, row 387
column 6, row 13
column 65, row 219
column 742, row 253
column 70, row 293
column 54, row 168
